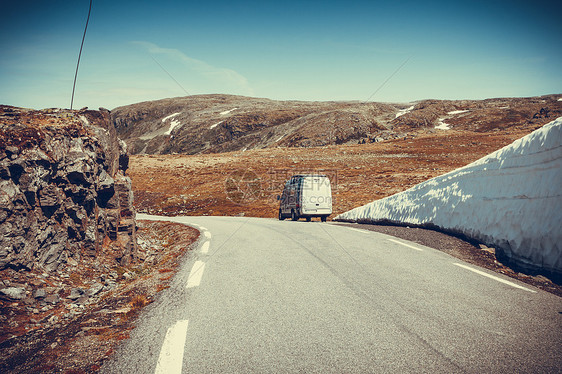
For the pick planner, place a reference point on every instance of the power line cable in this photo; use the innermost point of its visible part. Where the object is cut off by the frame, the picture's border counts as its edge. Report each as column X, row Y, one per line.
column 79, row 55
column 170, row 75
column 387, row 79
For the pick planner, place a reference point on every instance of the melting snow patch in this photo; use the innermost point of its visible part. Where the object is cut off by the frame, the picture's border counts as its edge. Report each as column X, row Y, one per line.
column 215, row 125
column 560, row 99
column 457, row 112
column 227, row 111
column 173, row 125
column 442, row 125
column 170, row 116
column 404, row 111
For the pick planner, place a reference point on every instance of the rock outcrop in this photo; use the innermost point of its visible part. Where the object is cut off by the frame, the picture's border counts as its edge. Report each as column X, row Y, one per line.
column 64, row 195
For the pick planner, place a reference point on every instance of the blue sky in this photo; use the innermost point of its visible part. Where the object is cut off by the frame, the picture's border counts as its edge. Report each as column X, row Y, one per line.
column 302, row 50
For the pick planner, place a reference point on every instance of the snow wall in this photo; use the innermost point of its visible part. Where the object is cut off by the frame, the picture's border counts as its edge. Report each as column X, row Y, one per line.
column 510, row 199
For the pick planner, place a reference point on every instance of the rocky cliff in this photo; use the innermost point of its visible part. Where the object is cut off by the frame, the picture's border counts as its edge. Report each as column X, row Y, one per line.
column 64, row 194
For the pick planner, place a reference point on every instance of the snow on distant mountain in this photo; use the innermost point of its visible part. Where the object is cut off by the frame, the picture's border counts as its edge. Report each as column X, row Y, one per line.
column 222, row 123
column 453, row 112
column 401, row 112
column 510, row 199
column 442, row 125
column 170, row 116
column 227, row 112
column 215, row 125
column 173, row 123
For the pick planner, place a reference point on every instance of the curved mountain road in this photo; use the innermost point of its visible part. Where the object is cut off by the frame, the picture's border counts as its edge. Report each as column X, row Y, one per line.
column 261, row 295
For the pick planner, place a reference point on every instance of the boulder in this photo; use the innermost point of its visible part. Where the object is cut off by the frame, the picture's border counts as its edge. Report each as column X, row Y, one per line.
column 50, row 196
column 95, row 289
column 76, row 293
column 12, row 293
column 40, row 294
column 52, row 299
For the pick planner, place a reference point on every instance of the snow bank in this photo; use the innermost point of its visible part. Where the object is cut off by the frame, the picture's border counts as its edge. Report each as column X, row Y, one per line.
column 510, row 199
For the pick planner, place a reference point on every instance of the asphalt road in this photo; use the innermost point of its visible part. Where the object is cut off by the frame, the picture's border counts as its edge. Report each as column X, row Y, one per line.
column 264, row 296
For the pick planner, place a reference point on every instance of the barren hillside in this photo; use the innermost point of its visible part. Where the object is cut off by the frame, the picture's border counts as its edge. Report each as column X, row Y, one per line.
column 224, row 123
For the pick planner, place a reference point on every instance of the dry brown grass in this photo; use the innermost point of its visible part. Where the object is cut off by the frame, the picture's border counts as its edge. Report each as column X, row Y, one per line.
column 84, row 342
column 139, row 301
column 203, row 184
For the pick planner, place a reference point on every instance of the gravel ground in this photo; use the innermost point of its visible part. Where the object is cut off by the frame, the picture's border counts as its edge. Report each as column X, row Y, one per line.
column 80, row 343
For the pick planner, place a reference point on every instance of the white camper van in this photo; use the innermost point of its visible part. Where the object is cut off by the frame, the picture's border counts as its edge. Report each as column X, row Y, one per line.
column 306, row 196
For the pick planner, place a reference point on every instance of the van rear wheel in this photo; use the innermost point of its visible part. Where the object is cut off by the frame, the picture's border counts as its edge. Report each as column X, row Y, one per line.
column 323, row 218
column 294, row 216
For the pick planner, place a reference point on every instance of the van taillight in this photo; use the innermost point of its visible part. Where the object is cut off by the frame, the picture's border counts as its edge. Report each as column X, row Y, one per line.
column 298, row 206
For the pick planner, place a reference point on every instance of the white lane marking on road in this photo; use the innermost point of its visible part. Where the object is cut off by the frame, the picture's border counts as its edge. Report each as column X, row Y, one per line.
column 207, row 234
column 406, row 245
column 195, row 274
column 494, row 277
column 358, row 230
column 205, row 247
column 171, row 355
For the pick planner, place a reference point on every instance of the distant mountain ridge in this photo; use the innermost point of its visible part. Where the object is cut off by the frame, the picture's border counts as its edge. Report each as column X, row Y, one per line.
column 223, row 123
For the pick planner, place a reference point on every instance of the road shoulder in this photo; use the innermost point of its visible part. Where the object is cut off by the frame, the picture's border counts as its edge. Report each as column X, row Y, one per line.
column 476, row 254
